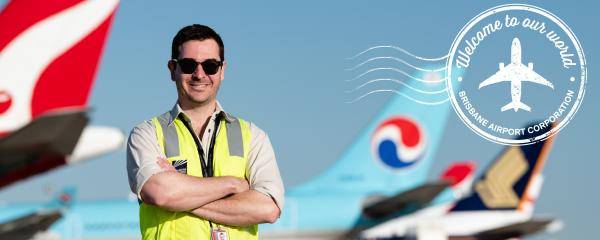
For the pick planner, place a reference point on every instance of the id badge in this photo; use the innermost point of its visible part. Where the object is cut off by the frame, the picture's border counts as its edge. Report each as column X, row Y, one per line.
column 219, row 234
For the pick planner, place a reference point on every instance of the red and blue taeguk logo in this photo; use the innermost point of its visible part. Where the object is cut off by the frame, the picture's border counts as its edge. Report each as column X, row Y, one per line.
column 398, row 142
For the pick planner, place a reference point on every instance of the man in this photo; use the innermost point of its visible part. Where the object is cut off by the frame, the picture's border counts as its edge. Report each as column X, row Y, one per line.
column 199, row 172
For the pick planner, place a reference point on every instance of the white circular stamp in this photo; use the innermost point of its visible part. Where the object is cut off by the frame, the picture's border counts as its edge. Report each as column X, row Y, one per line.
column 493, row 84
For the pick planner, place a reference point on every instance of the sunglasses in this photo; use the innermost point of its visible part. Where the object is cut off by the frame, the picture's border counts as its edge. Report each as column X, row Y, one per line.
column 189, row 65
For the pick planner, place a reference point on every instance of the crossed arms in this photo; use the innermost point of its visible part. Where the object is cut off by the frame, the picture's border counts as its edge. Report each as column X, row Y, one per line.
column 224, row 200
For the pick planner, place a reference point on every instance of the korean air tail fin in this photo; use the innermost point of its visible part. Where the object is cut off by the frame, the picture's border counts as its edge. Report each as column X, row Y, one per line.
column 49, row 54
column 512, row 182
column 63, row 198
column 394, row 152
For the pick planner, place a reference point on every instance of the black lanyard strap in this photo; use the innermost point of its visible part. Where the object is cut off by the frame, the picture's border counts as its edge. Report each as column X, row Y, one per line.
column 211, row 147
column 207, row 166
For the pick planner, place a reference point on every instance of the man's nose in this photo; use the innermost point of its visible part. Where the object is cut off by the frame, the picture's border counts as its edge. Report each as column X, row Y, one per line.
column 199, row 72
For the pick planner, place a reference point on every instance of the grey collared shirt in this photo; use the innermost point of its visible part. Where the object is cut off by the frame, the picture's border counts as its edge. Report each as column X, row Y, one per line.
column 143, row 151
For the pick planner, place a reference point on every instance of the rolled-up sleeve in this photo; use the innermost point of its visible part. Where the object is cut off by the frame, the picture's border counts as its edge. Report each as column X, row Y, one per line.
column 262, row 166
column 142, row 153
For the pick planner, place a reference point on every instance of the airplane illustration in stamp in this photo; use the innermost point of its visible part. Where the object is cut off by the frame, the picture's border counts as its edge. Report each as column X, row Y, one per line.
column 516, row 72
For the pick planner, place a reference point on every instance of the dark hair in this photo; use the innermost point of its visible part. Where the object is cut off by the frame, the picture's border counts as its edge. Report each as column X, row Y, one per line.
column 196, row 32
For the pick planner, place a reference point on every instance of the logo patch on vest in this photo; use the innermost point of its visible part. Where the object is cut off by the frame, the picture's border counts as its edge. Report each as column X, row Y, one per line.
column 180, row 166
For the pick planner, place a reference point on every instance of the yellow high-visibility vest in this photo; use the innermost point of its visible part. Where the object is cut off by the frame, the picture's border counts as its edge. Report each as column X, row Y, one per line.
column 230, row 152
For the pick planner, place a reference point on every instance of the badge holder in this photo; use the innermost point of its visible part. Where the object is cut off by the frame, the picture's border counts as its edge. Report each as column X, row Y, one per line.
column 219, row 234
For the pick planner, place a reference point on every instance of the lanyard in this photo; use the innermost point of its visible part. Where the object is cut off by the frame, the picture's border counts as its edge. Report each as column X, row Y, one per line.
column 207, row 171
column 207, row 166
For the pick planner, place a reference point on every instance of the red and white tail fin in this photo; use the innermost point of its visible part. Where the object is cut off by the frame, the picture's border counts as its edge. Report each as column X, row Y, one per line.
column 460, row 177
column 49, row 54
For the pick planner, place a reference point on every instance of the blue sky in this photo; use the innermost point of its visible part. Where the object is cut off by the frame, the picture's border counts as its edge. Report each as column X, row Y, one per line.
column 286, row 64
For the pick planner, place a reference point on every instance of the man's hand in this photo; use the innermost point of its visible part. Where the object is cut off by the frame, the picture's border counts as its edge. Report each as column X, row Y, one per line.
column 165, row 165
column 242, row 209
column 177, row 192
column 239, row 184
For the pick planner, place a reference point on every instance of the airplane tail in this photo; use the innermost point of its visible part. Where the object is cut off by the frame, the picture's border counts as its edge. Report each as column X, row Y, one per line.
column 512, row 182
column 394, row 151
column 460, row 177
column 64, row 198
column 49, row 54
column 516, row 106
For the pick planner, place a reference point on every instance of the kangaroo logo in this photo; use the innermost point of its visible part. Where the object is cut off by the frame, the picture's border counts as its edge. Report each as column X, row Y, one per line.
column 27, row 57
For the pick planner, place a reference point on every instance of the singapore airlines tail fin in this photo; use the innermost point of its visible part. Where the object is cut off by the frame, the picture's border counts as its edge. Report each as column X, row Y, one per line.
column 512, row 182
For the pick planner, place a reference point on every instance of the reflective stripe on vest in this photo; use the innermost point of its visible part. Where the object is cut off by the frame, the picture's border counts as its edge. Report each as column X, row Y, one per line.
column 230, row 154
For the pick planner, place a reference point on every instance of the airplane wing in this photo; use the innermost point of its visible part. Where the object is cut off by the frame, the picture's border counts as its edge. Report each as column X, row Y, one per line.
column 515, row 230
column 457, row 176
column 403, row 203
column 28, row 226
column 531, row 76
column 500, row 76
column 41, row 145
column 35, row 225
column 407, row 201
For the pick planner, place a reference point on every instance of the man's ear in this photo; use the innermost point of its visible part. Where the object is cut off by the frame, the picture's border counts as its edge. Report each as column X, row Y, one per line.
column 171, row 66
column 223, row 70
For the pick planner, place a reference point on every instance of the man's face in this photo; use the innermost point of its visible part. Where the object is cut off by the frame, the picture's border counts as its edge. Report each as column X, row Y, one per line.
column 198, row 87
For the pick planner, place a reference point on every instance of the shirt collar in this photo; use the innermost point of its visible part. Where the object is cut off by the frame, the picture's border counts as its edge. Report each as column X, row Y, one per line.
column 176, row 110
